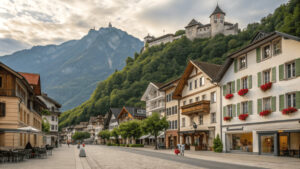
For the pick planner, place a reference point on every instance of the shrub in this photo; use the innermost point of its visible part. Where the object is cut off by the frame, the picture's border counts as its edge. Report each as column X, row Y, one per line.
column 109, row 144
column 218, row 145
column 136, row 145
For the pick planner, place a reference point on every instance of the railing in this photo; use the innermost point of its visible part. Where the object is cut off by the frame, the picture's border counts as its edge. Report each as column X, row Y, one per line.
column 7, row 92
column 197, row 107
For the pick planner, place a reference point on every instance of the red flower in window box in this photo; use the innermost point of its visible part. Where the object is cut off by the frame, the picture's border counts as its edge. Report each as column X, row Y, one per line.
column 264, row 113
column 243, row 116
column 229, row 96
column 227, row 118
column 266, row 86
column 242, row 92
column 289, row 110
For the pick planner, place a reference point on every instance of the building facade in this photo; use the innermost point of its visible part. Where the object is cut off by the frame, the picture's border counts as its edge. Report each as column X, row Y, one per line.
column 261, row 96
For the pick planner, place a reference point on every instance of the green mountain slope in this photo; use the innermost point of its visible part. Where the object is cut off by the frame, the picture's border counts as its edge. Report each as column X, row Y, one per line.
column 165, row 62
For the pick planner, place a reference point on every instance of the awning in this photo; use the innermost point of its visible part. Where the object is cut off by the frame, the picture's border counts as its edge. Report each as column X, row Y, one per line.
column 145, row 136
column 29, row 129
column 161, row 135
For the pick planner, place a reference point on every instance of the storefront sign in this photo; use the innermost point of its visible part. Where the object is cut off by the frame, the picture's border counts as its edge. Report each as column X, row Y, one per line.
column 234, row 128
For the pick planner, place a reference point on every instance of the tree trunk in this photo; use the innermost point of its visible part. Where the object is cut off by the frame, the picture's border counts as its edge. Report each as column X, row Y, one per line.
column 155, row 136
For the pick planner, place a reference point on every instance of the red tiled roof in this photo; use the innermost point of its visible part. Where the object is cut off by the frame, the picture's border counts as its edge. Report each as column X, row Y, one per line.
column 32, row 78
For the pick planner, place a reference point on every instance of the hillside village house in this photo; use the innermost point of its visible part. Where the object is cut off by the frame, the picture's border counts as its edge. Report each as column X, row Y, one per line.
column 111, row 118
column 172, row 115
column 19, row 108
column 261, row 96
column 199, row 106
column 155, row 99
column 95, row 125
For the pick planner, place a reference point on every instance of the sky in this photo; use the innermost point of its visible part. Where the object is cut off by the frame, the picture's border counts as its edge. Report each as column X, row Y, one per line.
column 27, row 23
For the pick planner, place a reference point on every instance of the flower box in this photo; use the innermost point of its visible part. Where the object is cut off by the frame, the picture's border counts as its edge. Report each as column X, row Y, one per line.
column 289, row 110
column 242, row 92
column 265, row 113
column 243, row 116
column 227, row 118
column 229, row 96
column 266, row 86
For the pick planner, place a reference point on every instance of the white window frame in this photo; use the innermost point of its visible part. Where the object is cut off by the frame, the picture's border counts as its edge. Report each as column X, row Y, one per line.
column 245, row 108
column 292, row 70
column 196, row 83
column 229, row 87
column 190, row 86
column 213, row 118
column 201, row 81
column 183, row 122
column 213, row 97
column 267, row 101
column 266, row 79
column 240, row 62
column 200, row 118
column 229, row 110
column 263, row 51
column 274, row 48
column 244, row 82
column 291, row 99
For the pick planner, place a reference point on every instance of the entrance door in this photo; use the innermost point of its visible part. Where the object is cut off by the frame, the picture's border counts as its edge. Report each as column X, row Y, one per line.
column 283, row 145
column 267, row 144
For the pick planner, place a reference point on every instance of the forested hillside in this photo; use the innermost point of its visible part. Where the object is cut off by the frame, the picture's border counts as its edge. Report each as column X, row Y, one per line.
column 165, row 62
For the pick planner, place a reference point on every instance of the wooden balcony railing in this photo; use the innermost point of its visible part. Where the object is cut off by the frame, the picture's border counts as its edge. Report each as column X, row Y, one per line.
column 201, row 107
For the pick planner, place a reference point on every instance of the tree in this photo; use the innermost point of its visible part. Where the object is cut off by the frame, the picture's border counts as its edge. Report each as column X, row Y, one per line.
column 45, row 125
column 81, row 136
column 130, row 129
column 154, row 124
column 115, row 133
column 218, row 145
column 179, row 32
column 104, row 134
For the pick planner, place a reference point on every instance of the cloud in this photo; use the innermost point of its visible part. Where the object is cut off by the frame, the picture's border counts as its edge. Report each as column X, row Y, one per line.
column 8, row 46
column 41, row 22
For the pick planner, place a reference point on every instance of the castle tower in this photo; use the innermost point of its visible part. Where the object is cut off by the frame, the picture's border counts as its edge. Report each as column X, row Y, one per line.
column 217, row 19
column 109, row 25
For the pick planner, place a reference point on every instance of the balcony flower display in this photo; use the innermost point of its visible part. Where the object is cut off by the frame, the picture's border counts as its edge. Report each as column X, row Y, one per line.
column 227, row 118
column 266, row 86
column 243, row 116
column 265, row 113
column 229, row 96
column 289, row 110
column 242, row 92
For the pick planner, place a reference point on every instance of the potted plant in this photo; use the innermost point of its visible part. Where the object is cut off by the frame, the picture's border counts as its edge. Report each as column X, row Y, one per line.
column 243, row 92
column 264, row 113
column 243, row 116
column 266, row 86
column 227, row 118
column 229, row 96
column 289, row 110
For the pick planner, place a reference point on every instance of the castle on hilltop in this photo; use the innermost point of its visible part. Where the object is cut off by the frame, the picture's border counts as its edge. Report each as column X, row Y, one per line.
column 196, row 29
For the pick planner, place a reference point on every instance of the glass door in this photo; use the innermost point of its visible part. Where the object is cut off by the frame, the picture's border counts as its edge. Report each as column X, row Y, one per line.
column 283, row 145
column 267, row 144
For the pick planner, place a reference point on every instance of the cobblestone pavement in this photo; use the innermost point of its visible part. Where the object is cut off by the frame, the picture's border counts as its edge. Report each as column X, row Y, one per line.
column 103, row 157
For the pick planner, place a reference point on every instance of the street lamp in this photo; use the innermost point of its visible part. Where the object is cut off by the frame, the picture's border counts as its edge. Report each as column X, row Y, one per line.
column 195, row 128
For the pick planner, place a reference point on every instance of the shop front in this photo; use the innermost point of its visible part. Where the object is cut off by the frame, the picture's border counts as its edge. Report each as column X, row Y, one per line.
column 171, row 139
column 195, row 140
column 240, row 142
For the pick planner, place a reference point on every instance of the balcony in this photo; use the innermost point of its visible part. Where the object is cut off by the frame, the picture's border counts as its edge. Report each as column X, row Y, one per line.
column 201, row 107
column 7, row 92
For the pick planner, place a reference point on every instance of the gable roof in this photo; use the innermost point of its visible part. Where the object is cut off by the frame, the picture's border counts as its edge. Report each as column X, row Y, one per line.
column 32, row 78
column 150, row 85
column 115, row 111
column 193, row 22
column 133, row 111
column 217, row 10
column 169, row 84
column 46, row 97
column 208, row 68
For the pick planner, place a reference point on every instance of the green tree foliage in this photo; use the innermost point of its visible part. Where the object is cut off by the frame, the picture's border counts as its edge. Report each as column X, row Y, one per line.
column 104, row 134
column 217, row 144
column 45, row 125
column 115, row 133
column 79, row 136
column 45, row 112
column 179, row 32
column 130, row 129
column 153, row 125
column 167, row 61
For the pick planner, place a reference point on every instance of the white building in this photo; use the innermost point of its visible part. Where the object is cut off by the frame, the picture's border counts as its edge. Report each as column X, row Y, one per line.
column 111, row 120
column 154, row 98
column 270, row 60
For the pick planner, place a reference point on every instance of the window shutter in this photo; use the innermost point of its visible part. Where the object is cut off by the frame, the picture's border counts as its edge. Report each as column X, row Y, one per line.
column 297, row 63
column 281, row 102
column 2, row 109
column 258, row 79
column 250, row 107
column 298, row 100
column 233, row 86
column 250, row 81
column 274, row 74
column 258, row 55
column 238, row 109
column 224, row 90
column 224, row 111
column 235, row 65
column 281, row 72
column 238, row 83
column 259, row 105
column 233, row 110
column 273, row 104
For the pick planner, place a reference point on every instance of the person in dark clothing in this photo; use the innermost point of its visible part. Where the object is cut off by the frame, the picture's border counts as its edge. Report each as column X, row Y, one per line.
column 28, row 146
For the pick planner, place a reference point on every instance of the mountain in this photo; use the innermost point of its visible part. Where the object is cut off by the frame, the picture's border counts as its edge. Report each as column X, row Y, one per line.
column 167, row 61
column 70, row 71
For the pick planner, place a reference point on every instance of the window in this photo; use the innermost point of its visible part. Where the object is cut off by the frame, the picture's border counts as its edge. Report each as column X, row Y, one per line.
column 215, row 18
column 266, row 52
column 191, row 85
column 175, row 124
column 244, row 83
column 242, row 62
column 183, row 122
column 201, row 80
column 196, row 84
column 213, row 97
column 291, row 100
column 2, row 109
column 52, row 118
column 197, row 99
column 213, row 118
column 191, row 121
column 229, row 88
column 184, row 103
column 203, row 97
column 170, row 124
column 201, row 119
column 267, row 103
column 55, row 127
column 244, row 107
column 266, row 76
column 277, row 47
column 229, row 110
column 175, row 109
column 191, row 101
column 290, row 70
column 52, row 127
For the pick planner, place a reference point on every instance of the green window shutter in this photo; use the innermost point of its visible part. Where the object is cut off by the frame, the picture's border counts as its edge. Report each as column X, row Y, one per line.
column 224, row 90
column 298, row 100
column 250, row 107
column 224, row 111
column 273, row 104
column 233, row 86
column 274, row 74
column 281, row 102
column 233, row 111
column 297, row 63
column 235, row 65
column 258, row 55
column 259, row 105
column 281, row 72
column 258, row 79
column 250, row 81
column 238, row 83
column 238, row 109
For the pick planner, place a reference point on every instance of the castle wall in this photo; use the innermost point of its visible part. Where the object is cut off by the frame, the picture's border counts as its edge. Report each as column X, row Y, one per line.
column 163, row 40
column 191, row 32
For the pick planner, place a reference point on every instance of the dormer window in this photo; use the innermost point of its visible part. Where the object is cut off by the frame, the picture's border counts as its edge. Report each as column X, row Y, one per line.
column 242, row 62
column 266, row 52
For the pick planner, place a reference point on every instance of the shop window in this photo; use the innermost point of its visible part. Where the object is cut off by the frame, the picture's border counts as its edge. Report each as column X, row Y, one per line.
column 266, row 76
column 242, row 62
column 276, row 47
column 267, row 144
column 291, row 100
column 267, row 103
column 201, row 119
column 242, row 142
column 290, row 70
column 245, row 83
column 244, row 107
column 213, row 118
column 266, row 52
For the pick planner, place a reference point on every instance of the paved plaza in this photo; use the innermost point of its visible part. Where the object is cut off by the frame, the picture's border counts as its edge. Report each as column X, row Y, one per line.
column 103, row 157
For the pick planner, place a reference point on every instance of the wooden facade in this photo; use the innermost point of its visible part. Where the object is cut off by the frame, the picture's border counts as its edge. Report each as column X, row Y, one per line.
column 196, row 108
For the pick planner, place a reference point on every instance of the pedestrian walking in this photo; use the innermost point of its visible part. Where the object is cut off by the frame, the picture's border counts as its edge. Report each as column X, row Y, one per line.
column 78, row 145
column 182, row 147
column 68, row 142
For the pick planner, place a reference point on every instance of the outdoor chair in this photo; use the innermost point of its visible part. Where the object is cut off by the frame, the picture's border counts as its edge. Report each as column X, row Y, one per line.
column 42, row 152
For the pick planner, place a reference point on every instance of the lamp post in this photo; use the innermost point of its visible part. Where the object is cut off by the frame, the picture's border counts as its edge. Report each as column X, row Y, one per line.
column 195, row 128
